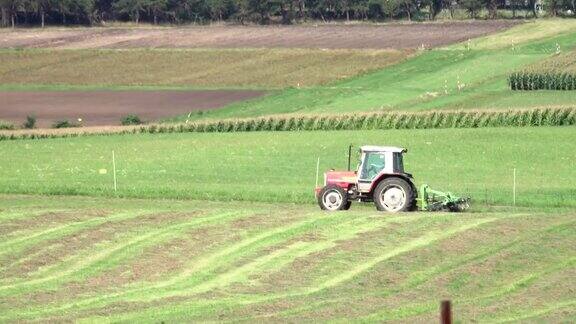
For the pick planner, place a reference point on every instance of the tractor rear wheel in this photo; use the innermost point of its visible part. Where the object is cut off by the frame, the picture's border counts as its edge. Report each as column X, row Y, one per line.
column 393, row 195
column 333, row 198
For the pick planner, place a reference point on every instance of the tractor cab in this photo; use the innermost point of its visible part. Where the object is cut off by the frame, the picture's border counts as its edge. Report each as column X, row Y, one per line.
column 376, row 161
column 380, row 178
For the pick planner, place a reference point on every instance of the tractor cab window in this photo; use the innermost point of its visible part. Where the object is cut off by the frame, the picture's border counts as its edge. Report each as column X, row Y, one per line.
column 373, row 164
column 398, row 163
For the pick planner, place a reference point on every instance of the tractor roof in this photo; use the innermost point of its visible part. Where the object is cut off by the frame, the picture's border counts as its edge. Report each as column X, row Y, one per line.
column 373, row 148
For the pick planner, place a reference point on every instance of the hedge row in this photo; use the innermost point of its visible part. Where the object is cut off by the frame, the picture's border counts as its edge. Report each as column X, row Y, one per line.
column 368, row 121
column 542, row 81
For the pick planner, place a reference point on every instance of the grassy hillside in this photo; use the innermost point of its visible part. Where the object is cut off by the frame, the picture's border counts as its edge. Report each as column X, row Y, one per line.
column 467, row 75
column 85, row 259
column 281, row 166
column 187, row 69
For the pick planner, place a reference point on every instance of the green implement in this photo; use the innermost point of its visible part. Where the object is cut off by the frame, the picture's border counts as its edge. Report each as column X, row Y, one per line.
column 434, row 200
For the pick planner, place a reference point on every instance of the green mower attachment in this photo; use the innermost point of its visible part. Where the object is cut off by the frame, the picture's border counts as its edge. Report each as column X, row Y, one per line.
column 434, row 200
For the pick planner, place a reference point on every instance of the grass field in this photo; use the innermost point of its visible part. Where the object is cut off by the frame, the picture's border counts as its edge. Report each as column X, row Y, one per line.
column 89, row 259
column 465, row 76
column 186, row 68
column 281, row 166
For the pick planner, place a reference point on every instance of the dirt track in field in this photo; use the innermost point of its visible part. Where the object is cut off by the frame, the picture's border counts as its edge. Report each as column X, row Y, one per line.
column 324, row 36
column 97, row 108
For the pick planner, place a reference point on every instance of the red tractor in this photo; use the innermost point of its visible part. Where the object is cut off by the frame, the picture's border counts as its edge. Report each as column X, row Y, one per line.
column 380, row 178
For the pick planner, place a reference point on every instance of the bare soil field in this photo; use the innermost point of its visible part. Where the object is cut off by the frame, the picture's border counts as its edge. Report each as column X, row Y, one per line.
column 323, row 36
column 108, row 107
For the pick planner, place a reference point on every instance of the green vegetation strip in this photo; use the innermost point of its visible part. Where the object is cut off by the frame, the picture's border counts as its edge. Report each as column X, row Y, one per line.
column 362, row 121
column 281, row 166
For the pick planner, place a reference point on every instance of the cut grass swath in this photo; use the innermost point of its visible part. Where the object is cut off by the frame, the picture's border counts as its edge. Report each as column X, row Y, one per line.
column 304, row 266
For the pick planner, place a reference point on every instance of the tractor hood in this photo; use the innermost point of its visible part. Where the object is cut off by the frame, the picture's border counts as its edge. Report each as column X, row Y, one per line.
column 341, row 178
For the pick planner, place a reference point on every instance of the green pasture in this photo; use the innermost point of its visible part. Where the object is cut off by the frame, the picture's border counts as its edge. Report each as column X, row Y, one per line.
column 80, row 259
column 468, row 75
column 281, row 166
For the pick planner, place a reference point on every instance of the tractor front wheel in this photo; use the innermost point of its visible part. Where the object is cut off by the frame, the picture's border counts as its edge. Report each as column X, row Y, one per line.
column 393, row 195
column 333, row 198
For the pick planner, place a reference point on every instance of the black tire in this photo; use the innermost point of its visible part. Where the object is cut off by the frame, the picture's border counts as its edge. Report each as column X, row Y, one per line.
column 333, row 198
column 401, row 187
column 347, row 205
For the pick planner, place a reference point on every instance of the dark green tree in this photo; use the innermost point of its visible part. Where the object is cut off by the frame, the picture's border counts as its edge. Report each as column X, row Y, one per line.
column 103, row 10
column 10, row 9
column 180, row 11
column 40, row 7
column 221, row 9
column 435, row 7
column 132, row 8
column 155, row 8
column 492, row 6
column 391, row 8
column 473, row 7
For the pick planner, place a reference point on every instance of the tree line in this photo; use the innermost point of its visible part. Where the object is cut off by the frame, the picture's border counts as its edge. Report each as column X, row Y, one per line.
column 89, row 12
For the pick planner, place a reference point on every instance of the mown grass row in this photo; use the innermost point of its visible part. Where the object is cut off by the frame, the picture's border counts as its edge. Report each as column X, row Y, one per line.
column 282, row 258
column 542, row 81
column 367, row 121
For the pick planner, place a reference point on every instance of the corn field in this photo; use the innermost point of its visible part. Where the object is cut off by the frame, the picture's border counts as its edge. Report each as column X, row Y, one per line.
column 367, row 121
column 542, row 81
column 557, row 72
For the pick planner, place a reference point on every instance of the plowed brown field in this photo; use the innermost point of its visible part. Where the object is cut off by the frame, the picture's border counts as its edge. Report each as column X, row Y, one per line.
column 108, row 107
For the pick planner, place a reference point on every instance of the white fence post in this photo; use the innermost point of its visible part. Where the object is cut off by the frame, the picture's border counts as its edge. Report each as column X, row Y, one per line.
column 514, row 189
column 317, row 170
column 114, row 171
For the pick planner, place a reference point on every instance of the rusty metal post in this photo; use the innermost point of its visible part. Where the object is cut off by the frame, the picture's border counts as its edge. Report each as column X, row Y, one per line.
column 445, row 312
column 349, row 156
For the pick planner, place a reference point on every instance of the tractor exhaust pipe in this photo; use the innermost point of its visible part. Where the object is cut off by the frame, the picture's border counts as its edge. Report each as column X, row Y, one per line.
column 349, row 155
